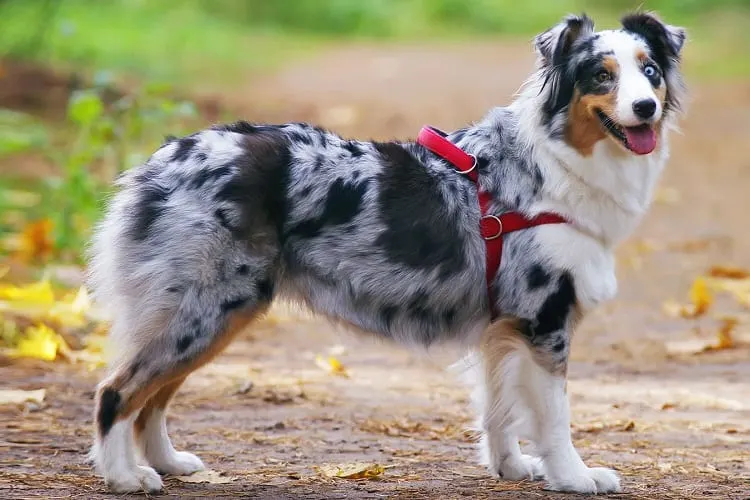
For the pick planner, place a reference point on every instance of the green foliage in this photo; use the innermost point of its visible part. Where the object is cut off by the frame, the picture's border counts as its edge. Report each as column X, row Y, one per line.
column 107, row 138
column 20, row 132
column 228, row 41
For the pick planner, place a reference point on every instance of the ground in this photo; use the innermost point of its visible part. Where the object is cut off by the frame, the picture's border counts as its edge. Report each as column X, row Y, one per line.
column 674, row 423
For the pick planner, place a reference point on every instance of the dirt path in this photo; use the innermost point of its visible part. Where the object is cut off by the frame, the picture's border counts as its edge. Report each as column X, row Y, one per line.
column 675, row 425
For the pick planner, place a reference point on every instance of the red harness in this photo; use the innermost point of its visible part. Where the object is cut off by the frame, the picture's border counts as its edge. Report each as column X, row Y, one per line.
column 492, row 227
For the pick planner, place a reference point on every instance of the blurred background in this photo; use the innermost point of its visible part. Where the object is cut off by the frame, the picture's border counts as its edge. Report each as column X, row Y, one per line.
column 89, row 88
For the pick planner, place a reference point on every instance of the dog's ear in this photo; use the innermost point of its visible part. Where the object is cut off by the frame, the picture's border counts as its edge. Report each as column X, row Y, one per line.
column 555, row 43
column 662, row 37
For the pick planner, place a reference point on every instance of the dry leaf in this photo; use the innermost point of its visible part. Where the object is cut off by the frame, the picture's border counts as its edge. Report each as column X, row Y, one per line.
column 725, row 334
column 630, row 426
column 35, row 241
column 729, row 272
column 206, row 476
column 331, row 365
column 352, row 471
column 17, row 396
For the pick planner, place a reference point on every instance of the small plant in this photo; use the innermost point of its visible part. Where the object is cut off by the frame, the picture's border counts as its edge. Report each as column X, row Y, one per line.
column 105, row 136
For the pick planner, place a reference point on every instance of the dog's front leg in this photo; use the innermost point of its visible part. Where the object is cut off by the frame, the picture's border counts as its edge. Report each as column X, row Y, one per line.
column 502, row 416
column 522, row 394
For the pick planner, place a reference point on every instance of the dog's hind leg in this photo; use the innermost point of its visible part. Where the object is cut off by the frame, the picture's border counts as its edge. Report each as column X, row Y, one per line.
column 201, row 326
column 153, row 440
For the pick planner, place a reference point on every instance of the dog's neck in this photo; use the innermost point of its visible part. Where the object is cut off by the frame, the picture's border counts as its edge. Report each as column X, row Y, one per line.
column 605, row 194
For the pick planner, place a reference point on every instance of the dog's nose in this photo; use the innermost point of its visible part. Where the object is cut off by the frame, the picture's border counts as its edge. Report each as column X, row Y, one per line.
column 644, row 108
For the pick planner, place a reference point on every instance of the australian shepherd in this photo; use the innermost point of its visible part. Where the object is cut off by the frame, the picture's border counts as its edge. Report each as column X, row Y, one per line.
column 385, row 237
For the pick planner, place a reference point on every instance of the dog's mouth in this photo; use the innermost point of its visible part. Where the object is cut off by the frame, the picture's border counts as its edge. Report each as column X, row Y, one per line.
column 640, row 140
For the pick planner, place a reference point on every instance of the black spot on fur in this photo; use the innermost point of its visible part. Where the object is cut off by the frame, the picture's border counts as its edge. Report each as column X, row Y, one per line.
column 553, row 314
column 265, row 290
column 148, row 208
column 319, row 160
column 184, row 342
column 195, row 323
column 231, row 305
column 449, row 316
column 559, row 346
column 342, row 204
column 299, row 137
column 243, row 269
column 201, row 157
column 223, row 218
column 305, row 192
column 419, row 231
column 174, row 289
column 239, row 127
column 356, row 174
column 353, row 148
column 109, row 401
column 184, row 148
column 537, row 277
column 388, row 314
column 209, row 174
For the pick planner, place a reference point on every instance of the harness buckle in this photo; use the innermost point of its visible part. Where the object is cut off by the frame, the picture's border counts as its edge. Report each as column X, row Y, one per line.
column 497, row 233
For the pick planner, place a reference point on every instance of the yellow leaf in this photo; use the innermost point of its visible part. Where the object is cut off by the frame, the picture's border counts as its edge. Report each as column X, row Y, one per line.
column 352, row 471
column 17, row 396
column 700, row 298
column 37, row 293
column 40, row 342
column 331, row 365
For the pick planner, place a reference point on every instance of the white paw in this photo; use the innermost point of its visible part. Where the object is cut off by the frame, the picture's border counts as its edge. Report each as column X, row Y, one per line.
column 589, row 480
column 519, row 468
column 136, row 480
column 180, row 463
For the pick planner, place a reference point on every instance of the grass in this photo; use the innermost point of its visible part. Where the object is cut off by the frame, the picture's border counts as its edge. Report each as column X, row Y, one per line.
column 209, row 43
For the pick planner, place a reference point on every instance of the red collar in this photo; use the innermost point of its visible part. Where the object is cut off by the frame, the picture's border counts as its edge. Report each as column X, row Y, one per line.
column 492, row 227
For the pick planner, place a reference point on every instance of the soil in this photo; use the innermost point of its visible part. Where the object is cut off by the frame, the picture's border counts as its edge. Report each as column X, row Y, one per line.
column 675, row 423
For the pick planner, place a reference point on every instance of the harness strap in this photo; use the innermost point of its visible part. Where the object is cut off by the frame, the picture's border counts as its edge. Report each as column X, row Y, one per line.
column 492, row 227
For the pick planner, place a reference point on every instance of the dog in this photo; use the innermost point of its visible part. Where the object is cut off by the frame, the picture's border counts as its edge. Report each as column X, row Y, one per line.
column 385, row 237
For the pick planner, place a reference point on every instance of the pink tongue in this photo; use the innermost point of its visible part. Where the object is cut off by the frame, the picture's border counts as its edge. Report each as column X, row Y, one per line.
column 641, row 140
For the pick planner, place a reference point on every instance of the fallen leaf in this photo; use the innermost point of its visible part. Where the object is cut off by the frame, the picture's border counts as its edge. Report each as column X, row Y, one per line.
column 352, row 471
column 17, row 396
column 729, row 272
column 630, row 426
column 725, row 334
column 40, row 342
column 206, row 476
column 331, row 365
column 668, row 406
column 35, row 242
column 700, row 296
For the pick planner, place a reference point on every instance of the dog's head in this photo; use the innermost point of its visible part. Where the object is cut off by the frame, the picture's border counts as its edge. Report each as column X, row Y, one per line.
column 618, row 85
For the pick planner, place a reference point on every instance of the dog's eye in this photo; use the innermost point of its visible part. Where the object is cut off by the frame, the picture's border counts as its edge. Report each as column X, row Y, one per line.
column 603, row 76
column 649, row 70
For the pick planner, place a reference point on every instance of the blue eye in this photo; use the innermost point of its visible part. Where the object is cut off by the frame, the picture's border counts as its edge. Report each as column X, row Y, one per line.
column 649, row 71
